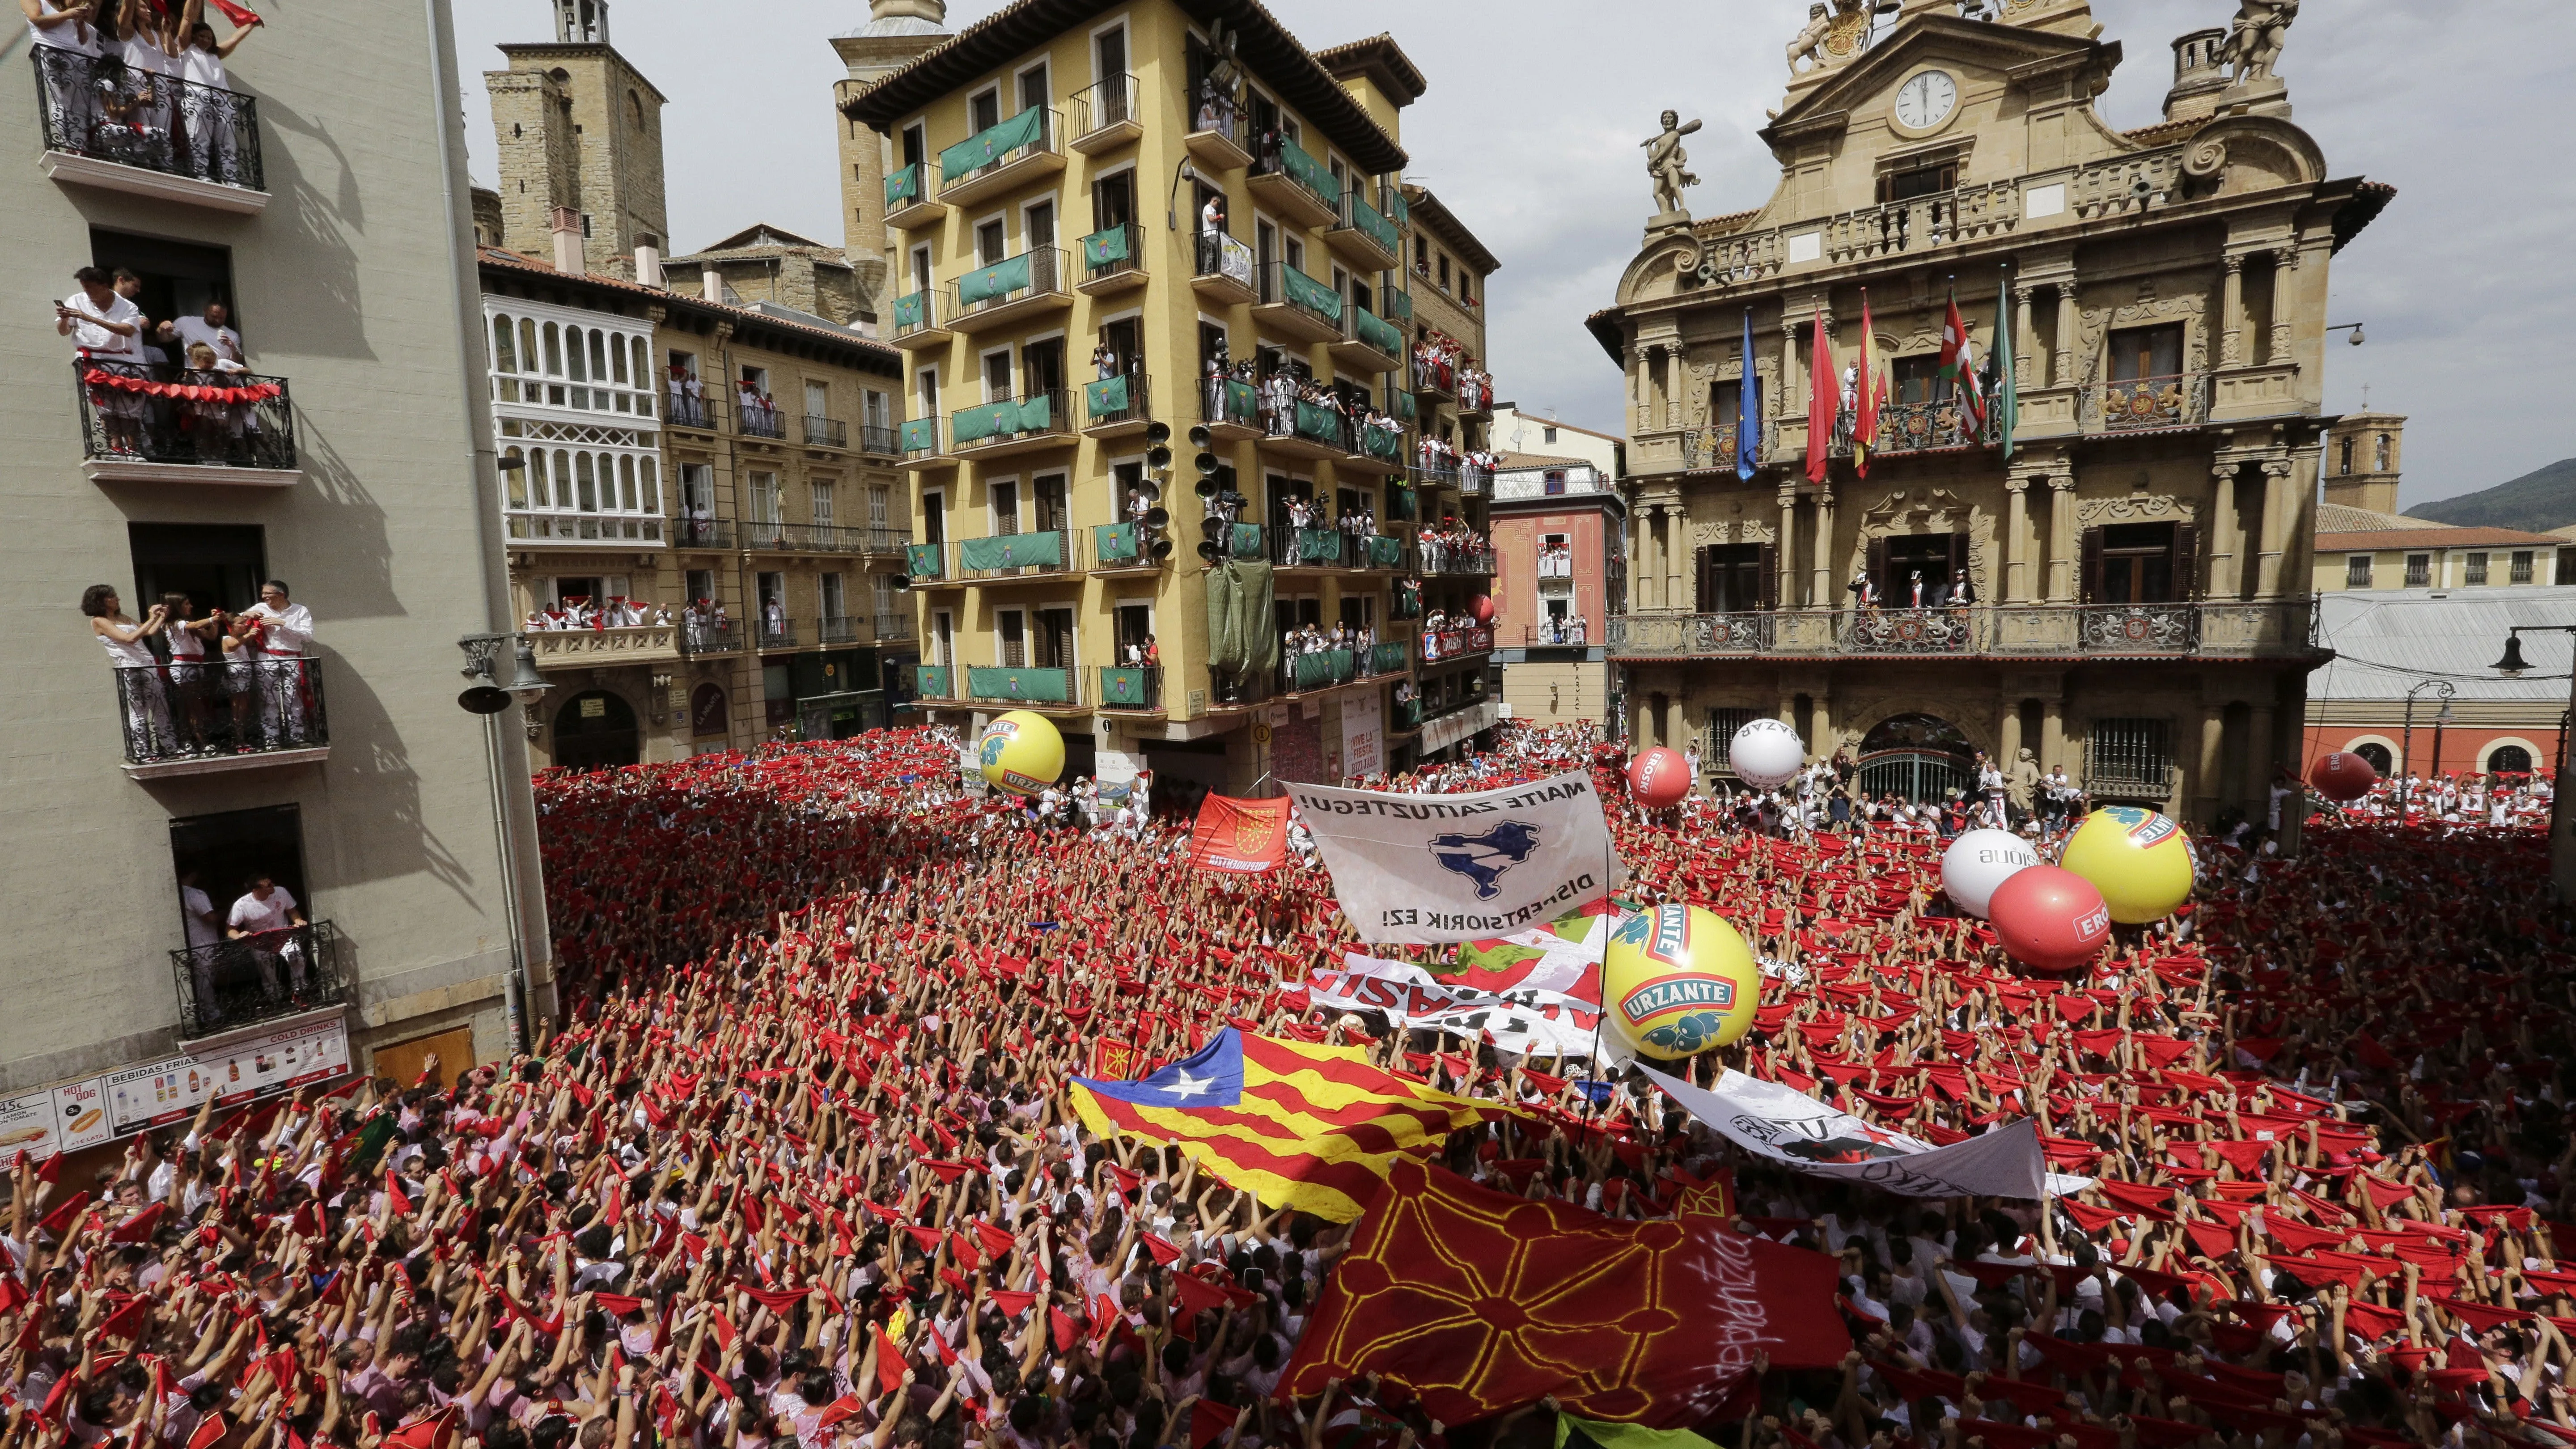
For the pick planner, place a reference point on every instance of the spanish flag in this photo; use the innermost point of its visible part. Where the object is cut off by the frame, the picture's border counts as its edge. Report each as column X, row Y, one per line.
column 1313, row 1128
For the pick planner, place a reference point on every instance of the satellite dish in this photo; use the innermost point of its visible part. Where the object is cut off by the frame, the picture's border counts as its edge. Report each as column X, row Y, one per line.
column 1158, row 457
column 487, row 699
column 1207, row 464
column 1158, row 432
column 1158, row 518
column 1201, row 436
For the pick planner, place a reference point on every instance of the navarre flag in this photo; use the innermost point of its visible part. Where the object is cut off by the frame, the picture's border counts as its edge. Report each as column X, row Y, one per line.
column 1824, row 401
column 1313, row 1128
column 1478, row 1301
column 1242, row 837
column 1115, row 1060
column 1435, row 869
column 1574, row 1433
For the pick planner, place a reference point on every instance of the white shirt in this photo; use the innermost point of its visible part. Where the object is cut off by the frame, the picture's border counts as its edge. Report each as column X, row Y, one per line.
column 196, row 907
column 204, row 67
column 250, row 913
column 92, row 338
column 289, row 630
column 225, row 341
column 76, row 36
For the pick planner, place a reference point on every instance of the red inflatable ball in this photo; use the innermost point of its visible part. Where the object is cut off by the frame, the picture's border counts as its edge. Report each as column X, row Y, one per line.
column 1482, row 606
column 1659, row 777
column 2342, row 776
column 2051, row 920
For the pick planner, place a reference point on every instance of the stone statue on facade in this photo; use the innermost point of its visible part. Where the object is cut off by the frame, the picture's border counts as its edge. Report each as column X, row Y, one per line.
column 1833, row 35
column 1669, row 166
column 1810, row 44
column 2255, row 39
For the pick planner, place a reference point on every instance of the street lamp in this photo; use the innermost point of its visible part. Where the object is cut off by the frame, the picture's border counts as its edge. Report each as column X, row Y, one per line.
column 2443, row 690
column 2562, row 849
column 483, row 697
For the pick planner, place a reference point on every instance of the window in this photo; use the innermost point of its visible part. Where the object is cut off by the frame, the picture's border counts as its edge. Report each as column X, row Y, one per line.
column 2419, row 570
column 1550, row 433
column 2521, row 567
column 1012, row 639
column 992, row 243
column 818, row 400
column 1006, row 508
column 1732, row 578
column 2137, row 564
column 880, row 504
column 2378, row 755
column 1053, row 644
column 984, row 111
column 1918, row 380
column 1921, row 181
column 916, row 144
column 2144, row 352
column 934, row 516
column 833, row 596
column 1109, row 52
column 215, row 860
column 1444, row 271
column 214, row 565
column 1034, row 91
column 876, row 410
column 921, row 269
column 772, row 589
column 2356, row 570
column 822, row 500
column 763, row 488
column 1716, row 751
column 1049, row 493
column 2346, row 451
column 2566, row 574
column 2129, row 755
column 2508, row 760
column 2379, row 455
column 2476, row 571
column 701, row 585
column 179, row 280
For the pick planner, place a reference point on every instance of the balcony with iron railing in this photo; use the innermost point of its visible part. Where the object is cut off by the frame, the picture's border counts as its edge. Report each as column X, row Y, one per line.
column 823, row 432
column 1302, row 429
column 777, row 537
column 1002, row 157
column 1046, row 688
column 920, row 322
column 1050, row 553
column 1131, row 687
column 193, row 719
column 759, row 418
column 1113, row 261
column 1218, row 138
column 1225, row 274
column 558, row 527
column 687, row 410
column 935, row 682
column 1448, row 646
column 1289, row 182
column 1365, row 344
column 1296, row 307
column 1444, row 559
column 699, row 532
column 1557, row 631
column 908, row 203
column 604, row 647
column 895, row 628
column 1311, row 670
column 925, row 565
column 773, row 631
column 836, row 629
column 1024, row 424
column 114, row 127
column 1136, row 546
column 1013, row 291
column 1107, row 114
column 1314, row 548
column 1475, row 396
column 1117, row 407
column 924, row 442
column 2225, row 629
column 147, row 423
column 879, row 439
column 1231, row 409
column 1434, row 377
column 257, row 977
column 704, row 634
column 1365, row 234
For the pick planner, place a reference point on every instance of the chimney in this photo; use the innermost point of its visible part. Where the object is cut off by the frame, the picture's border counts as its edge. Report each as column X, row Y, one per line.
column 568, row 252
column 648, row 260
column 2199, row 75
column 711, row 284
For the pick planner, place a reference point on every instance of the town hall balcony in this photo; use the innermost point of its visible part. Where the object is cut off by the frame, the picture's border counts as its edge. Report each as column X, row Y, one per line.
column 2224, row 629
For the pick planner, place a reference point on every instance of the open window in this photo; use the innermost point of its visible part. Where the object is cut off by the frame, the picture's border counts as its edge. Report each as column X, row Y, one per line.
column 2139, row 563
column 1918, row 570
column 1737, row 578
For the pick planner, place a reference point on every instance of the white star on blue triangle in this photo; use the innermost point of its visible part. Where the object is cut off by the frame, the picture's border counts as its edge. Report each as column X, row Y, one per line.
column 1210, row 1077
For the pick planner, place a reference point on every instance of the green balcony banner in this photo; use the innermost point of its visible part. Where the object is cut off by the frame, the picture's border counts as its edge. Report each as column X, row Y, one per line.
column 932, row 681
column 1247, row 541
column 1385, row 444
column 992, row 145
column 1103, row 247
column 1308, row 172
column 1403, row 212
column 1366, row 221
column 1011, row 551
column 1310, row 294
column 1242, row 404
column 921, row 435
column 1242, row 635
column 921, row 560
column 912, row 309
column 1126, row 688
column 1405, row 407
column 1105, row 397
column 1037, row 412
column 998, row 280
column 1043, row 686
column 903, row 186
column 1113, row 542
column 1400, row 304
column 978, row 423
column 1385, row 552
column 1387, row 659
column 1379, row 333
column 1320, row 424
column 1318, row 546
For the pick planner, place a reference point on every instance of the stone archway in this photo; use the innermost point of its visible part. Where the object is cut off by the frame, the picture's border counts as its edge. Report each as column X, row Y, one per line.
column 596, row 730
column 1918, row 757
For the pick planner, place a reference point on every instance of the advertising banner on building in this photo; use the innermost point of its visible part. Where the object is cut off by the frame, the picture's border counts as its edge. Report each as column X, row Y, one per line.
column 53, row 1119
column 171, row 1090
column 1363, row 733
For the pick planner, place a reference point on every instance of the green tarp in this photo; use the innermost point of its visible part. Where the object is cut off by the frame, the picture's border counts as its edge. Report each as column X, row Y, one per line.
column 1247, row 541
column 1113, row 542
column 1364, row 219
column 1105, row 397
column 1326, row 666
column 1243, row 638
column 1399, row 505
column 912, row 309
column 1045, row 686
column 921, row 435
column 1320, row 424
column 983, row 150
column 1305, row 170
column 1385, row 552
column 1310, row 294
column 1405, row 407
column 984, row 420
column 1387, row 659
column 1400, row 304
column 1379, row 333
column 1103, row 247
column 1037, row 412
column 1403, row 210
column 1127, row 688
column 921, row 560
column 903, row 186
column 932, row 681
column 998, row 280
column 1318, row 546
column 1242, row 404
column 1011, row 550
column 1384, row 444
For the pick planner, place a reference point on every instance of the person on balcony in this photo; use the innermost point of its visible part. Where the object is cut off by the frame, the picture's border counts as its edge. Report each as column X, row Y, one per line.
column 205, row 932
column 265, row 916
column 216, row 427
column 106, row 329
column 281, row 632
column 192, row 683
column 139, row 687
column 152, row 72
column 66, row 43
column 214, row 145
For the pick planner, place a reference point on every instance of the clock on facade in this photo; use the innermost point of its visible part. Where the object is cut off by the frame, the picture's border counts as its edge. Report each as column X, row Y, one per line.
column 1927, row 100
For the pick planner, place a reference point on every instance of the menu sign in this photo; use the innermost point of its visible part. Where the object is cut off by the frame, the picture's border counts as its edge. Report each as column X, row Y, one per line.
column 53, row 1119
column 168, row 1091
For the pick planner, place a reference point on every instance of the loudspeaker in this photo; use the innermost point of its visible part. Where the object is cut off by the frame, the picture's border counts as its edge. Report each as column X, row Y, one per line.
column 1207, row 553
column 1152, row 490
column 1207, row 464
column 903, row 581
column 1163, row 548
column 486, row 699
column 1158, row 432
column 1158, row 457
column 1158, row 518
column 1200, row 436
column 1206, row 488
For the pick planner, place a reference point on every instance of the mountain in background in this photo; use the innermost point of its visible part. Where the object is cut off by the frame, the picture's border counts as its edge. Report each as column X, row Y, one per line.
column 2537, row 501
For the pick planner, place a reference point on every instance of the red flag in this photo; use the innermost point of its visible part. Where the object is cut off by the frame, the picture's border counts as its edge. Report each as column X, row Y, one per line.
column 1164, row 1253
column 210, row 1430
column 1062, row 1329
column 996, row 1241
column 138, row 1228
column 1629, row 1314
column 128, row 1320
column 889, row 1362
column 51, row 1169
column 1209, row 1421
column 59, row 1221
column 1867, row 397
column 1824, row 401
column 1115, row 1061
column 1012, row 1301
column 1241, row 837
column 239, row 14
column 846, row 1406
column 394, row 1198
column 437, row 1430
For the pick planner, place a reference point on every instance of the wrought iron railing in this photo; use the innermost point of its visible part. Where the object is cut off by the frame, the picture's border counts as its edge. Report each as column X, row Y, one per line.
column 1909, row 631
column 1131, row 686
column 1030, row 133
column 183, row 711
column 1439, row 557
column 245, row 980
column 2210, row 629
column 104, row 109
column 1113, row 251
column 1103, row 104
column 777, row 632
column 759, row 418
column 1313, row 548
column 1125, row 398
column 878, row 438
column 841, row 629
column 1570, row 629
column 1019, row 555
column 686, row 411
column 826, row 432
column 1035, row 272
column 1220, row 255
column 1010, row 419
column 154, row 413
column 687, row 532
column 704, row 634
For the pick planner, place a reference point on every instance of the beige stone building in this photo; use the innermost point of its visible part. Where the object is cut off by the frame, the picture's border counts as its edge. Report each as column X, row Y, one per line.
column 2363, row 542
column 711, row 439
column 2127, row 593
column 323, row 203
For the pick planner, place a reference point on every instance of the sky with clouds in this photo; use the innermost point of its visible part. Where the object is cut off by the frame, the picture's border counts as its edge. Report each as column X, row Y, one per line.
column 1530, row 133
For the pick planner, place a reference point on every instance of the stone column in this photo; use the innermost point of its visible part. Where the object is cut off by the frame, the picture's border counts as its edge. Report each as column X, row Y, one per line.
column 2008, row 734
column 2070, row 321
column 2285, row 288
column 1824, row 573
column 1639, row 414
column 1820, row 726
column 2052, row 737
column 1652, row 576
column 2061, row 538
column 1676, row 723
column 1793, row 403
column 2223, row 540
column 1641, row 708
column 2231, row 311
column 2200, row 792
column 1677, row 552
column 1676, row 408
column 2262, row 761
column 2016, row 540
column 2277, row 510
column 2025, row 335
column 1788, row 548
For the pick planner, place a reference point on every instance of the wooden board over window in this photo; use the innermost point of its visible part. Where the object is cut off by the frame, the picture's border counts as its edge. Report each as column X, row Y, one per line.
column 402, row 1061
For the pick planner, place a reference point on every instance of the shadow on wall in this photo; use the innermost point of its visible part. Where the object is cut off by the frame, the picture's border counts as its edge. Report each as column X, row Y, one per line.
column 328, row 317
column 347, row 515
column 389, row 838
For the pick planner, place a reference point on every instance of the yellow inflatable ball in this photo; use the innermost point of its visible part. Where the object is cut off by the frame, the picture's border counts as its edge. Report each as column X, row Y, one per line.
column 1678, row 980
column 1021, row 752
column 2136, row 858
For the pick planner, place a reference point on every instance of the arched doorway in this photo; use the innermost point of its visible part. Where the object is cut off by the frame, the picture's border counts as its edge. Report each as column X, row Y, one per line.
column 2378, row 756
column 1919, row 757
column 2508, row 760
column 595, row 731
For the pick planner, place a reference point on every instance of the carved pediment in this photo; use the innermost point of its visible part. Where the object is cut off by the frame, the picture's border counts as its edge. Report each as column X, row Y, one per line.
column 1865, row 82
column 1926, row 509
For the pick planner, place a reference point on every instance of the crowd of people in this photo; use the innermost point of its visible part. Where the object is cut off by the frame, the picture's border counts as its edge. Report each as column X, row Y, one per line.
column 581, row 611
column 1439, row 458
column 1452, row 546
column 1441, row 363
column 171, row 389
column 143, row 83
column 797, row 1165
column 220, row 683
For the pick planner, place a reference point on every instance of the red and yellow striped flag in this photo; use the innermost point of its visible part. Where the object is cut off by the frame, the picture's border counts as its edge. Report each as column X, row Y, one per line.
column 1313, row 1128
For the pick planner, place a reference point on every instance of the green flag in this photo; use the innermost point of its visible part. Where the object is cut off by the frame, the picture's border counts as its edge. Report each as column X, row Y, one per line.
column 1574, row 1433
column 2007, row 395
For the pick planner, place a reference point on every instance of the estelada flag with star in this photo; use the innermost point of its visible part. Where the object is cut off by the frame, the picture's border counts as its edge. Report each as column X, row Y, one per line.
column 1480, row 1301
column 1313, row 1128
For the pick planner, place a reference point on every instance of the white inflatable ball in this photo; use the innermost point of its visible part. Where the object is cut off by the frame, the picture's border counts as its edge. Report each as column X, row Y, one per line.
column 1979, row 861
column 1767, row 753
